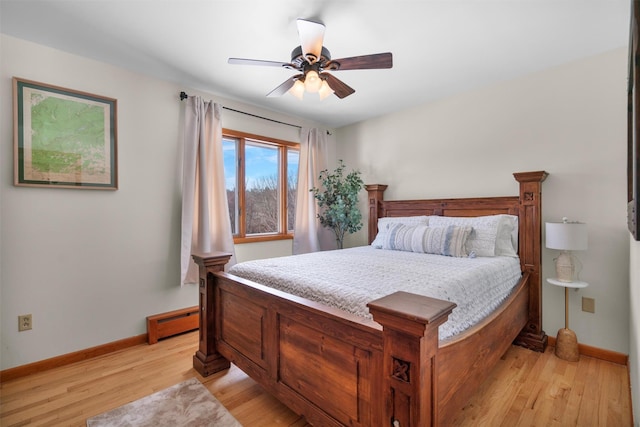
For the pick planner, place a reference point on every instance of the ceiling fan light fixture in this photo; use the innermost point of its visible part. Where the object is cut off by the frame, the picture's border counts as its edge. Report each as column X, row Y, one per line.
column 312, row 60
column 297, row 90
column 312, row 81
column 325, row 90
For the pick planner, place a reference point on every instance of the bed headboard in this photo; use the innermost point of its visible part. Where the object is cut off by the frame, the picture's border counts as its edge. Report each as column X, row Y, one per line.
column 527, row 206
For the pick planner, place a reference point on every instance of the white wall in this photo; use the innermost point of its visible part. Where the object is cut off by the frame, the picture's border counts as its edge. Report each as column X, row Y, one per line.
column 569, row 121
column 91, row 265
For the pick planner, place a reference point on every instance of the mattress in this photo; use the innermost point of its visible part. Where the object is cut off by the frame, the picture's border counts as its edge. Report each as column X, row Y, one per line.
column 350, row 278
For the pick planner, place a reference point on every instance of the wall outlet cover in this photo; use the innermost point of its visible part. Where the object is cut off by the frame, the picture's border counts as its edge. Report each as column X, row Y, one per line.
column 588, row 305
column 25, row 322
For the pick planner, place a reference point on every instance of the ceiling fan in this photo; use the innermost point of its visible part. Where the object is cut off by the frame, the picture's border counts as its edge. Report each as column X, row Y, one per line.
column 313, row 60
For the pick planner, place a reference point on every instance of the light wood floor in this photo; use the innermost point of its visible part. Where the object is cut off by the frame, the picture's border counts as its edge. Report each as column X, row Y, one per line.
column 525, row 389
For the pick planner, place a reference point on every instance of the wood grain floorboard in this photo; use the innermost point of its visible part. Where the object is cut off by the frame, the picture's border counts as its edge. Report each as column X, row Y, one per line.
column 524, row 389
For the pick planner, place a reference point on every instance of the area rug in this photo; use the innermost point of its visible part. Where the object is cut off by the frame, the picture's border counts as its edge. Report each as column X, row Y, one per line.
column 186, row 404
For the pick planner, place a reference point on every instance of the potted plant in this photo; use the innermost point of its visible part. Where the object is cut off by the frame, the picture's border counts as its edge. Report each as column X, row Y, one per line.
column 338, row 201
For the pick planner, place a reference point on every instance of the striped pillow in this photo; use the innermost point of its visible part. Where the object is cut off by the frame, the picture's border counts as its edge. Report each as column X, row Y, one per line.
column 449, row 241
column 384, row 222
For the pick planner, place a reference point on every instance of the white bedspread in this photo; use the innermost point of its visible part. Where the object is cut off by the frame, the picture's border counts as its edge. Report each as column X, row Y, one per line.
column 348, row 279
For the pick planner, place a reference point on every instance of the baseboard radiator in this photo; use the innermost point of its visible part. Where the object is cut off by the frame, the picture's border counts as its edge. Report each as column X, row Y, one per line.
column 172, row 323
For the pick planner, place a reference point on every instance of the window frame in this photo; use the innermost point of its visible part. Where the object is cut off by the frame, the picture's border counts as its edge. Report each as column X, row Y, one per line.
column 283, row 146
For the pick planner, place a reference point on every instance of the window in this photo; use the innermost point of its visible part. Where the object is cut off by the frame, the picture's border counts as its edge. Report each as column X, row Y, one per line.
column 261, row 176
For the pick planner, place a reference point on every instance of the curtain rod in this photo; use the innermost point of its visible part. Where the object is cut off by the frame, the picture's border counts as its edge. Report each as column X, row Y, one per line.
column 183, row 96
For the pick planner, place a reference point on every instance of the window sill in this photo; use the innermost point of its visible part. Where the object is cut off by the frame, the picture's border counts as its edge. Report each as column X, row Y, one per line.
column 262, row 238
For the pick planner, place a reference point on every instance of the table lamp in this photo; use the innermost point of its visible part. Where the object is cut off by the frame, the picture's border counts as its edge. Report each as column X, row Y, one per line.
column 566, row 237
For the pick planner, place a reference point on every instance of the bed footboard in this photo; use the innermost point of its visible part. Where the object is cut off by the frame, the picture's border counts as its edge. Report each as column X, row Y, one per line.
column 334, row 368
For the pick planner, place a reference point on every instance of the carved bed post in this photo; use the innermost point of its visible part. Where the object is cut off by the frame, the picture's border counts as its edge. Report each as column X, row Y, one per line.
column 410, row 345
column 530, row 214
column 207, row 360
column 376, row 195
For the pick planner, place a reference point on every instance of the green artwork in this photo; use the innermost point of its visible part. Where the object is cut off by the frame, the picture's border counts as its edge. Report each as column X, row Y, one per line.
column 66, row 136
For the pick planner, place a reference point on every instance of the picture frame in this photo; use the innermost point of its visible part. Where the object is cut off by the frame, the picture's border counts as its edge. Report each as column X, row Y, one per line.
column 633, row 137
column 63, row 138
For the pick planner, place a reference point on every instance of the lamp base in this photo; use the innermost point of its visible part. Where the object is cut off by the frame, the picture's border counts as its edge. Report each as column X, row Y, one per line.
column 565, row 268
column 567, row 345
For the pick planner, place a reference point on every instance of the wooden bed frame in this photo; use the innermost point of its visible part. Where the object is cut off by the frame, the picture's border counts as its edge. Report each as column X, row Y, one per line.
column 337, row 369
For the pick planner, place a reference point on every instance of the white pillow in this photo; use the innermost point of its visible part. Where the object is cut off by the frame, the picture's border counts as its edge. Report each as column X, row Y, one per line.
column 448, row 241
column 492, row 235
column 383, row 223
column 507, row 238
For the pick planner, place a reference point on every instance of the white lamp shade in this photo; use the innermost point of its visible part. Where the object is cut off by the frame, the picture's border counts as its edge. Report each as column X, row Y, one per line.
column 297, row 90
column 566, row 236
column 325, row 90
column 312, row 82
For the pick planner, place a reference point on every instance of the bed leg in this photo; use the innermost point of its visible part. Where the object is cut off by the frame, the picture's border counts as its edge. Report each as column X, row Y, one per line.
column 207, row 360
column 410, row 339
column 536, row 341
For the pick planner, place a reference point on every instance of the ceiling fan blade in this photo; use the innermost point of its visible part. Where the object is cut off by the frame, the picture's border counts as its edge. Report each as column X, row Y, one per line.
column 311, row 38
column 284, row 87
column 341, row 89
column 242, row 61
column 364, row 62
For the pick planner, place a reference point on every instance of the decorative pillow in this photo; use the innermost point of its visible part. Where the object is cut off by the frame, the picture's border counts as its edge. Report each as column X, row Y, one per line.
column 492, row 234
column 383, row 223
column 449, row 241
column 507, row 237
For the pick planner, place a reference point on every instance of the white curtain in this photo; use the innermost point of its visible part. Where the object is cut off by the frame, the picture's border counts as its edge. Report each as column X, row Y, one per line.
column 206, row 226
column 309, row 235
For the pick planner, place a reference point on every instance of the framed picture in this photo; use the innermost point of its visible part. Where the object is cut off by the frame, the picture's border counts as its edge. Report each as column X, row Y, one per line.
column 633, row 137
column 63, row 138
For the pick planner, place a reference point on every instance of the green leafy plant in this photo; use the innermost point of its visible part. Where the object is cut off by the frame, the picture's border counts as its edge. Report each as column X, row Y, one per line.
column 338, row 201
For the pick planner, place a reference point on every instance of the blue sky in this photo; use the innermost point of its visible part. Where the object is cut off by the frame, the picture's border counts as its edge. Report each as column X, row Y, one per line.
column 261, row 161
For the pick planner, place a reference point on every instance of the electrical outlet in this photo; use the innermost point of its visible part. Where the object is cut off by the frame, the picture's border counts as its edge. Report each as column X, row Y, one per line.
column 24, row 322
column 588, row 305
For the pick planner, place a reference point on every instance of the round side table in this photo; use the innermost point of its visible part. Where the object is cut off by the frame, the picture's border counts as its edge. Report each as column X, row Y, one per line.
column 566, row 341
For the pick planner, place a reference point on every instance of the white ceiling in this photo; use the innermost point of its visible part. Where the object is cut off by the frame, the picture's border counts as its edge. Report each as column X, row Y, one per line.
column 439, row 47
